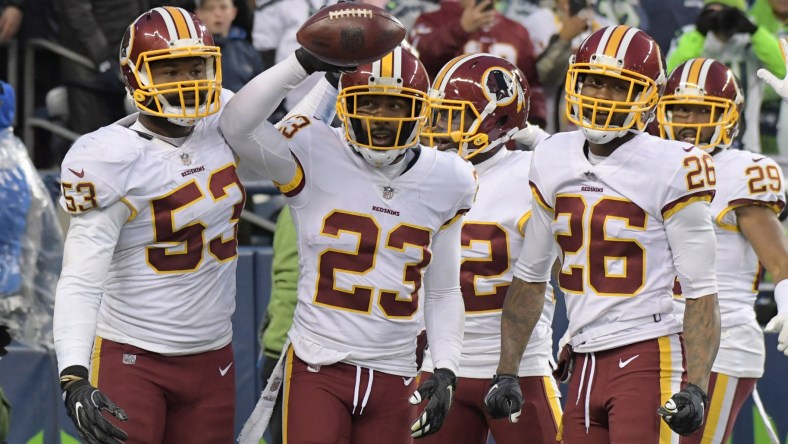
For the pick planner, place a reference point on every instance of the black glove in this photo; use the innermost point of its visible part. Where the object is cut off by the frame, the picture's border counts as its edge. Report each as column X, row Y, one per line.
column 736, row 20
column 312, row 64
column 684, row 410
column 707, row 19
column 504, row 397
column 440, row 391
column 5, row 339
column 84, row 404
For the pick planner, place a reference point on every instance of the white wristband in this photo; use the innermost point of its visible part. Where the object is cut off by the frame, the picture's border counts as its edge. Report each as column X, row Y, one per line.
column 781, row 296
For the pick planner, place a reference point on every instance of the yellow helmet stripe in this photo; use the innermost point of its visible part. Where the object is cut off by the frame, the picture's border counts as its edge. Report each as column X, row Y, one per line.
column 447, row 70
column 613, row 43
column 180, row 22
column 387, row 65
column 693, row 77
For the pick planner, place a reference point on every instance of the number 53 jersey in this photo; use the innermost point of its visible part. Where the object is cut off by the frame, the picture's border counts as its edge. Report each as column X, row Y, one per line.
column 365, row 242
column 171, row 284
column 609, row 222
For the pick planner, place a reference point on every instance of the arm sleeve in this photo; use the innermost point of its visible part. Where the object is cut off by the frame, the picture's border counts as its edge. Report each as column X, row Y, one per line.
column 87, row 255
column 689, row 46
column 767, row 49
column 320, row 102
column 538, row 254
column 691, row 237
column 444, row 310
column 284, row 275
column 245, row 126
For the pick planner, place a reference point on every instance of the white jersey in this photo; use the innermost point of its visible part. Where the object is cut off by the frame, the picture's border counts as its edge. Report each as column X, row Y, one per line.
column 618, row 268
column 743, row 178
column 492, row 237
column 364, row 243
column 171, row 284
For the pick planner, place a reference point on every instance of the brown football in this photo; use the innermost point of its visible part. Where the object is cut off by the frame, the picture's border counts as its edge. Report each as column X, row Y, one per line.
column 348, row 34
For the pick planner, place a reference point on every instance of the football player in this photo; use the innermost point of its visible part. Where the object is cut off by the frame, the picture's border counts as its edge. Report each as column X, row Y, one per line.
column 701, row 106
column 378, row 221
column 628, row 211
column 480, row 105
column 142, row 316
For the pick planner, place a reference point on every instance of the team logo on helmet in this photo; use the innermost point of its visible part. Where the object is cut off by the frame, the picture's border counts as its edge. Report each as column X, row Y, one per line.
column 499, row 86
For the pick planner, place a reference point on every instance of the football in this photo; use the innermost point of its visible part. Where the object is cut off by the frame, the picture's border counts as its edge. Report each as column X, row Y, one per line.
column 349, row 34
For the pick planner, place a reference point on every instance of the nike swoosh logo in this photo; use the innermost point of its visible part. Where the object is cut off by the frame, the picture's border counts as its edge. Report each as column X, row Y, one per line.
column 78, row 406
column 688, row 149
column 79, row 174
column 622, row 364
column 223, row 371
column 407, row 381
column 757, row 160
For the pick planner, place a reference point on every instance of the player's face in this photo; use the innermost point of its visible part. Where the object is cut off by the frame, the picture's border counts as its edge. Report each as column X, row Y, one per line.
column 385, row 112
column 608, row 89
column 440, row 125
column 180, row 70
column 692, row 114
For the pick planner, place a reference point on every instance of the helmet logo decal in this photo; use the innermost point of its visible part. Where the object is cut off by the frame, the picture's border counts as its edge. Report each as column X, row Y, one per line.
column 498, row 86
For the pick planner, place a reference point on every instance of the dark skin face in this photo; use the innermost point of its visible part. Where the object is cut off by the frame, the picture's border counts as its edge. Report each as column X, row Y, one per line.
column 169, row 71
column 685, row 113
column 606, row 88
column 384, row 132
column 440, row 120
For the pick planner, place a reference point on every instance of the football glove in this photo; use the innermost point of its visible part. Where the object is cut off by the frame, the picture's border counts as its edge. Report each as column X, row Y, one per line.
column 779, row 85
column 504, row 399
column 779, row 324
column 684, row 410
column 440, row 391
column 312, row 64
column 84, row 404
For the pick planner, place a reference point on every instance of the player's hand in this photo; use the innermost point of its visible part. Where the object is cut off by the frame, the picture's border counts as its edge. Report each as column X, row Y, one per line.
column 313, row 64
column 439, row 389
column 779, row 324
column 504, row 399
column 779, row 85
column 84, row 404
column 684, row 410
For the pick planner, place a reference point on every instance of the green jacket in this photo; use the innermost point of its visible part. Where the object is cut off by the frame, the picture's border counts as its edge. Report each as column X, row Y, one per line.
column 284, row 291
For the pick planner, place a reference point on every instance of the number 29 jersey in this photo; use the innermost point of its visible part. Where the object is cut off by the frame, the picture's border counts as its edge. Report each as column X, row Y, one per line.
column 171, row 284
column 364, row 243
column 609, row 222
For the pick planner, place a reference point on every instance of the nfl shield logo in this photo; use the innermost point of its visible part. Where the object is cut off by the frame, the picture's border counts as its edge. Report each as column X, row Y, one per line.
column 388, row 193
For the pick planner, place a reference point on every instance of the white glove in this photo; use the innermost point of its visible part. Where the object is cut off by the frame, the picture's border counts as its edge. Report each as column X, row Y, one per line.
column 530, row 136
column 780, row 86
column 779, row 324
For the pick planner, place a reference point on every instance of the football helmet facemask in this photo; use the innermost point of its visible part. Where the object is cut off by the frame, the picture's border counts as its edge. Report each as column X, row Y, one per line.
column 169, row 33
column 478, row 102
column 398, row 74
column 623, row 53
column 702, row 82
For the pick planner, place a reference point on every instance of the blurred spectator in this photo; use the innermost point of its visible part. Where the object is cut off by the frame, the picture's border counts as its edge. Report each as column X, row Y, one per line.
column 5, row 416
column 667, row 17
column 519, row 10
column 11, row 19
column 240, row 61
column 773, row 15
column 274, row 35
column 94, row 28
column 279, row 315
column 31, row 244
column 407, row 11
column 471, row 26
column 556, row 33
column 722, row 31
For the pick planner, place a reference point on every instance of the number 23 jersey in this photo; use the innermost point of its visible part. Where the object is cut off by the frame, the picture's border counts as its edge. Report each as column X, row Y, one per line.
column 609, row 222
column 171, row 284
column 364, row 243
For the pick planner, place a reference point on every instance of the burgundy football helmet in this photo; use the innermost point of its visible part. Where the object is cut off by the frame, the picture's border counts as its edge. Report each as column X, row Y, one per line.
column 479, row 101
column 703, row 82
column 170, row 33
column 623, row 53
column 400, row 74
